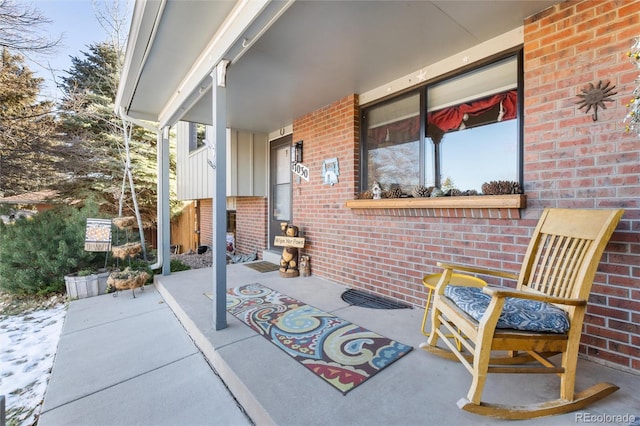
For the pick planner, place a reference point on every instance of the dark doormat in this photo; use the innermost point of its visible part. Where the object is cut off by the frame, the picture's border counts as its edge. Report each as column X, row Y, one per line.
column 369, row 300
column 262, row 266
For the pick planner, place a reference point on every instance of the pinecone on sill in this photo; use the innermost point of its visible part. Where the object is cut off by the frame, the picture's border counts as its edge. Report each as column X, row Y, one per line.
column 393, row 193
column 421, row 191
column 501, row 187
column 365, row 195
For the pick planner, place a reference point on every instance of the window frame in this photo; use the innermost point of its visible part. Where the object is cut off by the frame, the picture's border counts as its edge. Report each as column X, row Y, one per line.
column 423, row 91
column 196, row 143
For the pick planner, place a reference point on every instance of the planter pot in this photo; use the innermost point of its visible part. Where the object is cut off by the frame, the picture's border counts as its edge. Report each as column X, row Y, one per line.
column 127, row 279
column 79, row 287
column 102, row 282
column 126, row 251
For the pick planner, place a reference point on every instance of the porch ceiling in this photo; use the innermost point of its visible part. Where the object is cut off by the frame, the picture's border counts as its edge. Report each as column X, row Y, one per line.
column 315, row 53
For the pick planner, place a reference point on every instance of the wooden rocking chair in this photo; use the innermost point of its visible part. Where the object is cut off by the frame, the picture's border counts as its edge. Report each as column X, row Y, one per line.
column 540, row 318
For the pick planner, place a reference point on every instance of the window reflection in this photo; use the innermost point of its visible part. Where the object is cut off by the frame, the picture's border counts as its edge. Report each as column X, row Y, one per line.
column 393, row 141
column 470, row 157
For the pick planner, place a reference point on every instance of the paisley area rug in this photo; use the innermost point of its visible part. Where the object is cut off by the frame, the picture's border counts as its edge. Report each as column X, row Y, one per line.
column 341, row 353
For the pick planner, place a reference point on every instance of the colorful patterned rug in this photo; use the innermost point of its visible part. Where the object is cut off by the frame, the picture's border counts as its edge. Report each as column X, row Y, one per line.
column 341, row 353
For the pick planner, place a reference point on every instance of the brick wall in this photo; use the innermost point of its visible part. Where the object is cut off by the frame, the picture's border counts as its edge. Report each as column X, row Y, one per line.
column 205, row 221
column 251, row 225
column 570, row 161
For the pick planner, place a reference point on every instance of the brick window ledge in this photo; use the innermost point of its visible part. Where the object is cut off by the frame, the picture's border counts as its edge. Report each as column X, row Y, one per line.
column 475, row 207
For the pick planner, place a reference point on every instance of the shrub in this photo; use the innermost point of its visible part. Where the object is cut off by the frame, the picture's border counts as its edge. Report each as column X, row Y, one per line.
column 36, row 253
column 174, row 266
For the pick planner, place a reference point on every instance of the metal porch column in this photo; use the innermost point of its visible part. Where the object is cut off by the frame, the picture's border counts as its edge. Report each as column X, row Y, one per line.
column 219, row 201
column 163, row 200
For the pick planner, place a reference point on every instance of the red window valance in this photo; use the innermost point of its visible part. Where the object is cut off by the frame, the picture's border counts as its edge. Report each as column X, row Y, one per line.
column 452, row 117
column 447, row 119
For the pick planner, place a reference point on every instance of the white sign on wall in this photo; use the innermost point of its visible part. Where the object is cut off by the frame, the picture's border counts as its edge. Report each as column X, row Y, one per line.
column 301, row 170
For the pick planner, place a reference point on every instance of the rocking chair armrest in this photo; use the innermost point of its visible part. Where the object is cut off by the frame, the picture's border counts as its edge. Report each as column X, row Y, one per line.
column 476, row 270
column 499, row 292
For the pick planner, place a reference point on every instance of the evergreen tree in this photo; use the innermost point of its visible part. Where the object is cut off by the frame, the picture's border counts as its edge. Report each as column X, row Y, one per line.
column 95, row 137
column 28, row 154
column 36, row 253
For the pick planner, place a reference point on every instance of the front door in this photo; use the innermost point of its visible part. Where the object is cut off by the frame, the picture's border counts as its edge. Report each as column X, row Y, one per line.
column 280, row 186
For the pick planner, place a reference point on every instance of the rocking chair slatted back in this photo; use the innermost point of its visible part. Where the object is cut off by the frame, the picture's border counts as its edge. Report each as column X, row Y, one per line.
column 556, row 265
column 559, row 261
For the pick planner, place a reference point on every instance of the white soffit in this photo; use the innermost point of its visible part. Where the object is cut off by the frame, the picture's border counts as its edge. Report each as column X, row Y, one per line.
column 243, row 26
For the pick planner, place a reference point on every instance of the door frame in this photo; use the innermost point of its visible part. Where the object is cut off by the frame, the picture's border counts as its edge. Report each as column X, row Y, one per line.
column 273, row 225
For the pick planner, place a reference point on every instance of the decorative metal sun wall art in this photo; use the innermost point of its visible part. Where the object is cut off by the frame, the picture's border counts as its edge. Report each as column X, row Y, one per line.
column 595, row 97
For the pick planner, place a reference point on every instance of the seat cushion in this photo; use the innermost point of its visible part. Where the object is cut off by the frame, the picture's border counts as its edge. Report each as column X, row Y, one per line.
column 518, row 314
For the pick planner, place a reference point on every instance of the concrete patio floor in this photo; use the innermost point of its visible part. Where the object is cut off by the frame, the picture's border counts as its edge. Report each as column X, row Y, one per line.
column 126, row 361
column 157, row 359
column 418, row 389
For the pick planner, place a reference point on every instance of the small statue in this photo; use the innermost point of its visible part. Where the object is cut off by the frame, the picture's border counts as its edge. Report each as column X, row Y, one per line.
column 376, row 189
column 289, row 259
column 305, row 266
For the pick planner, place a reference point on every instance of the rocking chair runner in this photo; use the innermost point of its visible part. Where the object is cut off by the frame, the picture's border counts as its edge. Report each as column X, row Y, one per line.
column 541, row 317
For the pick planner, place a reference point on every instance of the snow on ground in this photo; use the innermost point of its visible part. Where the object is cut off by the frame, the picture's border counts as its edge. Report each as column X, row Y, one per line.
column 28, row 345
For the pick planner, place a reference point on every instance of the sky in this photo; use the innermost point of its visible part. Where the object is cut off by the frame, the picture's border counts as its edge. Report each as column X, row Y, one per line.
column 73, row 20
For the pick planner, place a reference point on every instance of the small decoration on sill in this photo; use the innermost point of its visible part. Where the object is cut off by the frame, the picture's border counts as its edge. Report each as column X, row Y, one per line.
column 365, row 195
column 421, row 191
column 436, row 192
column 376, row 190
column 395, row 192
column 501, row 187
column 632, row 119
column 595, row 96
column 459, row 193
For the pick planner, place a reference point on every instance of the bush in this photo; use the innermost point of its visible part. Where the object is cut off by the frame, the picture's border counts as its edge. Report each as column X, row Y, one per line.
column 174, row 266
column 177, row 266
column 36, row 253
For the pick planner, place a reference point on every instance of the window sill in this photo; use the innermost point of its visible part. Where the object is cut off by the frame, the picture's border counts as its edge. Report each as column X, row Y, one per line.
column 481, row 206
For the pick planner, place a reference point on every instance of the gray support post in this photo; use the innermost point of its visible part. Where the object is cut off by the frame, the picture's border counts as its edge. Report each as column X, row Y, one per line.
column 163, row 200
column 219, row 202
column 3, row 419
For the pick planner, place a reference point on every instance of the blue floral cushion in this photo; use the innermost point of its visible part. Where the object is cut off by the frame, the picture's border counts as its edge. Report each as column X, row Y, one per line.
column 518, row 314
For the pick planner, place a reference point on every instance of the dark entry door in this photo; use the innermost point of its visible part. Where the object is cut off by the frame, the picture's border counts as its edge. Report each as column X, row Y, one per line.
column 280, row 186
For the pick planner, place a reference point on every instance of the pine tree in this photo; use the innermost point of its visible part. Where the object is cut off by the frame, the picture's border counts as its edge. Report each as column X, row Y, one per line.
column 95, row 136
column 28, row 153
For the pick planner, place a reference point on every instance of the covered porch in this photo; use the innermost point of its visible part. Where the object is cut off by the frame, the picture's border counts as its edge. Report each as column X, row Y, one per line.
column 261, row 67
column 419, row 388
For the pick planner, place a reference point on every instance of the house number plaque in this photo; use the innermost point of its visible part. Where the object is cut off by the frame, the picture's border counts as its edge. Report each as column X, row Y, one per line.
column 301, row 170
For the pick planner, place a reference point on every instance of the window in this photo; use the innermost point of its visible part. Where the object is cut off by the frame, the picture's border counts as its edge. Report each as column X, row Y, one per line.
column 393, row 144
column 456, row 133
column 197, row 136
